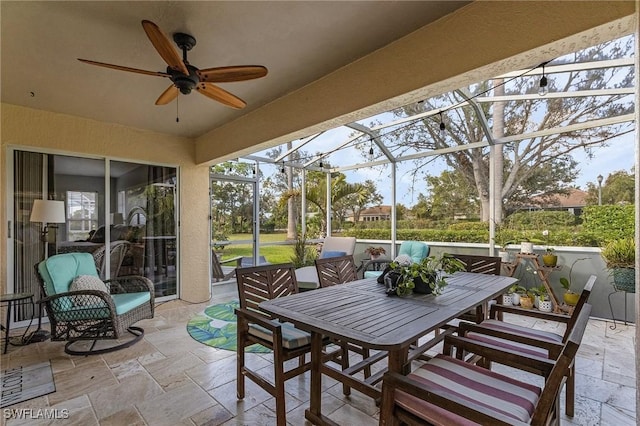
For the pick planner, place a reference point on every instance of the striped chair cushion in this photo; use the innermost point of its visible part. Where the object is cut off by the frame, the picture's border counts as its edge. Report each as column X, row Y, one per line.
column 519, row 330
column 491, row 390
column 291, row 337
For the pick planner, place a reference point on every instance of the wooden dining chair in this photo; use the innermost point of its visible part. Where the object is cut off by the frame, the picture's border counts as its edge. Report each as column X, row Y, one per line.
column 336, row 270
column 448, row 391
column 489, row 265
column 339, row 270
column 258, row 284
column 526, row 341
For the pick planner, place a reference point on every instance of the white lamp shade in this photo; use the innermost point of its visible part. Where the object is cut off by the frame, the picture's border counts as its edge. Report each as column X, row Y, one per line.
column 48, row 211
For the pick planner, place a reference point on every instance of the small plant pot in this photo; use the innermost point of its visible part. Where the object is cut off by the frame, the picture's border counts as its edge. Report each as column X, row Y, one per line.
column 536, row 301
column 505, row 257
column 526, row 302
column 545, row 306
column 515, row 299
column 526, row 247
column 550, row 260
column 571, row 299
column 507, row 299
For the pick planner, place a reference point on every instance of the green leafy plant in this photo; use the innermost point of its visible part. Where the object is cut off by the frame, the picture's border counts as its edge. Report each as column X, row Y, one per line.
column 566, row 282
column 433, row 270
column 303, row 255
column 620, row 253
column 515, row 288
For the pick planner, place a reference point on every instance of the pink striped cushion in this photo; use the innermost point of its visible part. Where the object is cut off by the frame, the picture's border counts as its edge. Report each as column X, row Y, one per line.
column 491, row 390
column 522, row 331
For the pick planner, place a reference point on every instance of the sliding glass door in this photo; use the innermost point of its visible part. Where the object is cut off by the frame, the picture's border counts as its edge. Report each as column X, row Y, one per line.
column 106, row 204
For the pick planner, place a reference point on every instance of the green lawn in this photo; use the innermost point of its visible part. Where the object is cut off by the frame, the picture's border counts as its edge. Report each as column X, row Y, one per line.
column 273, row 254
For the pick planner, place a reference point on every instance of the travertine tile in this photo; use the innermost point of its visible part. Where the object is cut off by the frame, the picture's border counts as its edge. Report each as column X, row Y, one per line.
column 81, row 380
column 130, row 391
column 175, row 405
column 169, row 378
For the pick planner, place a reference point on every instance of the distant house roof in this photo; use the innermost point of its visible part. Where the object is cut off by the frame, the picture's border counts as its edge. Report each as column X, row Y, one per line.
column 376, row 210
column 575, row 198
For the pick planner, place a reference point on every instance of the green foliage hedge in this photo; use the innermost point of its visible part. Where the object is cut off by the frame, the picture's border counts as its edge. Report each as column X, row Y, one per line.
column 598, row 225
column 609, row 222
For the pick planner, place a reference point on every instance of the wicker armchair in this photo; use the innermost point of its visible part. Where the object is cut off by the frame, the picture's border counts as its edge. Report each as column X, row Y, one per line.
column 77, row 314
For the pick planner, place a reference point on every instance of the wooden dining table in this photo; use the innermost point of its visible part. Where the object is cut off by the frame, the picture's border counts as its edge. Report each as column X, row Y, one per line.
column 360, row 312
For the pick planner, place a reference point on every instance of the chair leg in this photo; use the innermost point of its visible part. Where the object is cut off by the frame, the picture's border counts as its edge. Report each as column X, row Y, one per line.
column 571, row 392
column 278, row 365
column 240, row 360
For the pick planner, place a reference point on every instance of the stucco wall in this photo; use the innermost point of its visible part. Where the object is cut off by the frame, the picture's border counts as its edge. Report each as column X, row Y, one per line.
column 62, row 134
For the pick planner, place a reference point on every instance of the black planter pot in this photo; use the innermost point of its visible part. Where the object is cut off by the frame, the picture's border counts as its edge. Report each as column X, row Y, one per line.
column 421, row 286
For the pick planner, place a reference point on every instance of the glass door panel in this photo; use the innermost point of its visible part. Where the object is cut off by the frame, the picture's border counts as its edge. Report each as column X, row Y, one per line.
column 142, row 212
column 233, row 230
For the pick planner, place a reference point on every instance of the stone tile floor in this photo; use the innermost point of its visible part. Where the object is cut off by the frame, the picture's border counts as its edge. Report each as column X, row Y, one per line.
column 170, row 379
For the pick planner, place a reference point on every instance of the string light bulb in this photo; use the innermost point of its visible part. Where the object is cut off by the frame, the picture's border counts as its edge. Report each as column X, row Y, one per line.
column 371, row 153
column 282, row 168
column 544, row 84
column 443, row 127
column 321, row 165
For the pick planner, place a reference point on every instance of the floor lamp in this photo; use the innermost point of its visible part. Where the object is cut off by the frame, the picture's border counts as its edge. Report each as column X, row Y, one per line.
column 45, row 212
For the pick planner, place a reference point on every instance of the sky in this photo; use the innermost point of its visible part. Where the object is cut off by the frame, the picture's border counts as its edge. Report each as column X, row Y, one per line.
column 619, row 155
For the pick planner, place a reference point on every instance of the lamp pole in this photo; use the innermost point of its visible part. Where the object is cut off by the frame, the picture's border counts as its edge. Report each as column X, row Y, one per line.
column 599, row 189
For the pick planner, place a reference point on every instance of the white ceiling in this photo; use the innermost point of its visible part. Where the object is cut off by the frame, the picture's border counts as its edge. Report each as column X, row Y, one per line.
column 298, row 42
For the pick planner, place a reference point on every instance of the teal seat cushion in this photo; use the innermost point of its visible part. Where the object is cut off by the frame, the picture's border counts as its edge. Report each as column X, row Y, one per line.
column 417, row 250
column 291, row 337
column 372, row 274
column 128, row 301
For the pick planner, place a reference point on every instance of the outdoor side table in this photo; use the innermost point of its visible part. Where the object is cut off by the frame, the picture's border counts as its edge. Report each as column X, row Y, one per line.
column 11, row 300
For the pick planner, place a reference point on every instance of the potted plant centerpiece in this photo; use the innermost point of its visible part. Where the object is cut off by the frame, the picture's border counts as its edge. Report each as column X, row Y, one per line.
column 375, row 252
column 427, row 276
column 620, row 257
column 502, row 239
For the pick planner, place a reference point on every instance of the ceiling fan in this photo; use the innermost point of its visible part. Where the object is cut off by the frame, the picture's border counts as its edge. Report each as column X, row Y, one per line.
column 184, row 76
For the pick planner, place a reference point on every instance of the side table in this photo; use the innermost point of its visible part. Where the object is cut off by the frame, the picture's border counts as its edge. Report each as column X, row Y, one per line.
column 11, row 300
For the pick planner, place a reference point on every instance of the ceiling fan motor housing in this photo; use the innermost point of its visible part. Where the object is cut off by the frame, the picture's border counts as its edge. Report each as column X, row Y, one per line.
column 185, row 83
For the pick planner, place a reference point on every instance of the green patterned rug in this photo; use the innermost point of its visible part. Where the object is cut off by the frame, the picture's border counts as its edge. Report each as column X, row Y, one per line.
column 217, row 326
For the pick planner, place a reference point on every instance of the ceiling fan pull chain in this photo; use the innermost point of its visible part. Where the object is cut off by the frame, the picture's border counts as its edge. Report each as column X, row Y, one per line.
column 177, row 112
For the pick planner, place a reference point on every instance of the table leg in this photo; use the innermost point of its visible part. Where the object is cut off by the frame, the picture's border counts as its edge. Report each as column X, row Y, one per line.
column 314, row 412
column 398, row 361
column 315, row 404
column 6, row 329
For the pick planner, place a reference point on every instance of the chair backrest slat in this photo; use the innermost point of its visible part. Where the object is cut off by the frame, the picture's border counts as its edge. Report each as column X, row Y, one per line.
column 480, row 264
column 336, row 270
column 554, row 382
column 265, row 282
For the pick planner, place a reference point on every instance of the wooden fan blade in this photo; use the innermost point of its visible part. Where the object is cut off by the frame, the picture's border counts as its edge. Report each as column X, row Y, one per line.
column 216, row 93
column 168, row 95
column 164, row 47
column 121, row 68
column 228, row 74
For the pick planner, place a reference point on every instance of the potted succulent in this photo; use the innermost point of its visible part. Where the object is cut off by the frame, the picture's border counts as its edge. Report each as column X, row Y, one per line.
column 620, row 257
column 516, row 292
column 427, row 276
column 502, row 239
column 375, row 252
column 570, row 297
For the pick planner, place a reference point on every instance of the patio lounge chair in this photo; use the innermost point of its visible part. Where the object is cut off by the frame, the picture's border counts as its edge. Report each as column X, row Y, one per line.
column 223, row 273
column 448, row 391
column 81, row 306
column 307, row 276
column 525, row 341
column 417, row 250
